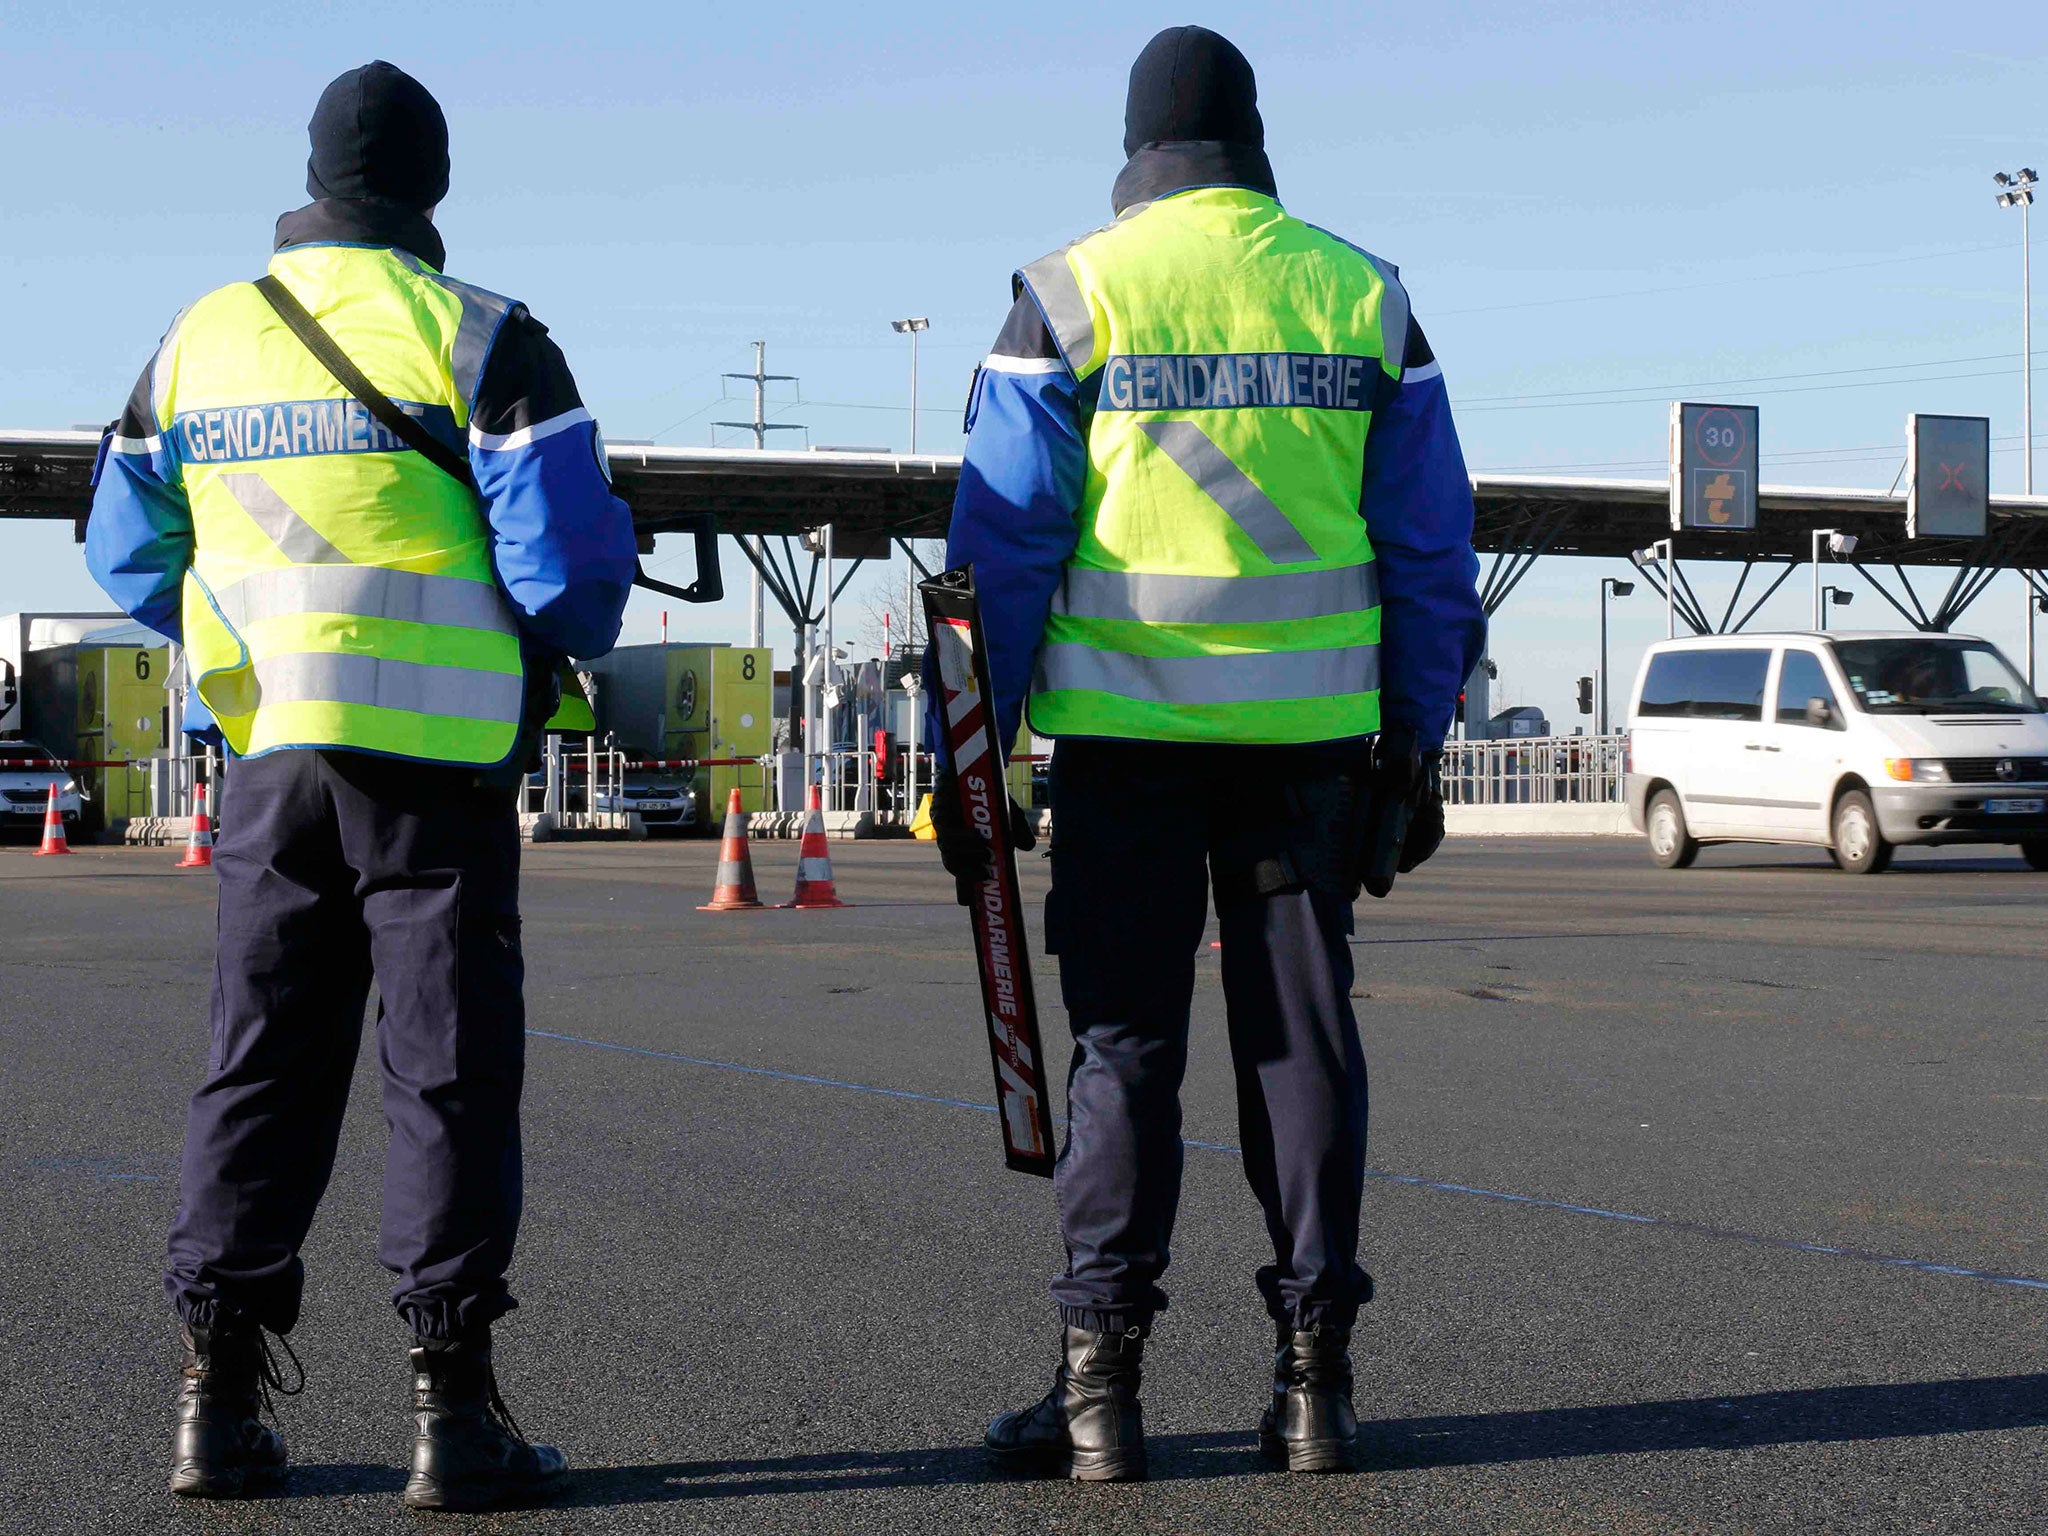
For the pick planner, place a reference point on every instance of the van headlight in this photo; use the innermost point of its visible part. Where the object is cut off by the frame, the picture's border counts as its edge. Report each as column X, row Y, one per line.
column 1917, row 770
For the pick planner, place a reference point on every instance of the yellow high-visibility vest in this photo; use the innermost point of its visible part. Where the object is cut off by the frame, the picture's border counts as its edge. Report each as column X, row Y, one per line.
column 341, row 592
column 1223, row 588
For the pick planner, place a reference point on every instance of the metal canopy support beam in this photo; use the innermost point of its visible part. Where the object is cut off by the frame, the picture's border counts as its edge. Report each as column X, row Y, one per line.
column 1683, row 603
column 782, row 586
column 2004, row 548
column 1519, row 553
column 1736, row 596
column 851, row 566
column 1696, row 613
column 1918, row 620
column 1742, row 623
column 910, row 554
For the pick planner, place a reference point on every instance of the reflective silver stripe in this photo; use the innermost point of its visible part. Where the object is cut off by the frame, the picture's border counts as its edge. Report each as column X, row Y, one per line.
column 1393, row 308
column 366, row 591
column 1065, row 308
column 302, row 543
column 1151, row 598
column 461, row 693
column 1263, row 677
column 1393, row 313
column 1422, row 375
column 997, row 362
column 1231, row 489
column 500, row 443
column 482, row 313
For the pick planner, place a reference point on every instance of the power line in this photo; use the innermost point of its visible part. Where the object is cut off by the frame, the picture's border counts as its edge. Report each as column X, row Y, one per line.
column 1799, row 389
column 1725, row 282
column 1762, row 378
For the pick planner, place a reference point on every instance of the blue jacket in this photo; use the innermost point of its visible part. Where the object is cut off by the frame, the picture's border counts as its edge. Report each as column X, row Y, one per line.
column 1015, row 514
column 562, row 544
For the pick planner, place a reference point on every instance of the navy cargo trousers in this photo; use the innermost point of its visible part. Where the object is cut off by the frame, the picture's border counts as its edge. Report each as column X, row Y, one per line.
column 1141, row 831
column 337, row 867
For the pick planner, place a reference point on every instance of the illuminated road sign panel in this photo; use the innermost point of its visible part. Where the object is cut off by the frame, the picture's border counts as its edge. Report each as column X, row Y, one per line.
column 1713, row 466
column 1948, row 476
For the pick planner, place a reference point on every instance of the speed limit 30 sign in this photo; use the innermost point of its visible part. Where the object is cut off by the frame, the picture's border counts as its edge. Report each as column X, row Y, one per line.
column 1713, row 466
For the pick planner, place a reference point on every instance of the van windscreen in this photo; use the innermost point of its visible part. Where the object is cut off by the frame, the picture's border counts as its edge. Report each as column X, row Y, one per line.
column 1707, row 684
column 1931, row 675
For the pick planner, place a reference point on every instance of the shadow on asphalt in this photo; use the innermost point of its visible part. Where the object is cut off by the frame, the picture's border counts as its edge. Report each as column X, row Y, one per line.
column 1967, row 1406
column 1818, row 1415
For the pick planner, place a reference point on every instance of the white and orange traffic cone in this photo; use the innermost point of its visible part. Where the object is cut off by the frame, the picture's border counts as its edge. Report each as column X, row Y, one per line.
column 53, row 829
column 199, row 846
column 814, row 862
column 734, row 891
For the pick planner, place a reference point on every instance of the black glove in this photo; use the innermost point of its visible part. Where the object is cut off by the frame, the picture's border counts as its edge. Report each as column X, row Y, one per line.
column 1426, row 821
column 962, row 849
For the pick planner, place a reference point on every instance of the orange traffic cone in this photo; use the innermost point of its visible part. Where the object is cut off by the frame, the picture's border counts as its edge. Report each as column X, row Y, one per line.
column 53, row 829
column 734, row 891
column 814, row 862
column 199, row 846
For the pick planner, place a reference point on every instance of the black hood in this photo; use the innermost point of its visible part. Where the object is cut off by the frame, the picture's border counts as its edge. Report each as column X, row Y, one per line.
column 1191, row 83
column 1191, row 119
column 378, row 134
column 363, row 221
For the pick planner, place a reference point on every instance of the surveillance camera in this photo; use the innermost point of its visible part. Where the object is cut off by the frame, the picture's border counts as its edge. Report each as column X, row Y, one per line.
column 1842, row 543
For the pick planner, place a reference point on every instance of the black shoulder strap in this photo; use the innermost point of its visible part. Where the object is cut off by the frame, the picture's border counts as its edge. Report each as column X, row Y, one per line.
column 351, row 378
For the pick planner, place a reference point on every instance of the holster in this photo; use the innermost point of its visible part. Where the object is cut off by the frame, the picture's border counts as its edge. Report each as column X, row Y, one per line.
column 1395, row 784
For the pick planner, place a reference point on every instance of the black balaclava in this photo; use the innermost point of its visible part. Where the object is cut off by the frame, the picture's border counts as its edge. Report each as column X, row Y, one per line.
column 1191, row 83
column 1191, row 120
column 378, row 135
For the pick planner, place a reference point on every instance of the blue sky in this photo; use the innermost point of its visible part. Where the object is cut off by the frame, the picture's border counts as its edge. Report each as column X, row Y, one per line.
column 1786, row 203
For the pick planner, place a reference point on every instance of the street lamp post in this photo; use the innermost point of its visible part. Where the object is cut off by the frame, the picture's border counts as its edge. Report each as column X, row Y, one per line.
column 911, row 327
column 1620, row 589
column 2017, row 191
column 1839, row 543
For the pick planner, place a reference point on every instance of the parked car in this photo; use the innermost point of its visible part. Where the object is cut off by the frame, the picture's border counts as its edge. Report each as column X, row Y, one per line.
column 1857, row 742
column 25, row 790
column 659, row 805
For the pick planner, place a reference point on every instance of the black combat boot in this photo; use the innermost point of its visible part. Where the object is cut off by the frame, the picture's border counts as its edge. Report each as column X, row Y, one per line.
column 1090, row 1426
column 467, row 1453
column 222, row 1446
column 1309, row 1426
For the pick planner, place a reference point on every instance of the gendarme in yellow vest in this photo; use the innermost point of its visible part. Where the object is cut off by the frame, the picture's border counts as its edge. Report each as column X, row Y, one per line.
column 341, row 592
column 1223, row 588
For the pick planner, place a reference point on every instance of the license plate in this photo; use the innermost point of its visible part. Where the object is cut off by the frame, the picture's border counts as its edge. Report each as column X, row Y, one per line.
column 2015, row 807
column 656, row 805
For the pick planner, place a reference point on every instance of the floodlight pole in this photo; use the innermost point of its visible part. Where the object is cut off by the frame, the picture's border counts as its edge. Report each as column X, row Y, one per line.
column 911, row 327
column 2016, row 190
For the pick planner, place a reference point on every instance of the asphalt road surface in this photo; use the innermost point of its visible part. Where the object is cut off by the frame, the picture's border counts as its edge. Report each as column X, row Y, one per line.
column 1705, row 1201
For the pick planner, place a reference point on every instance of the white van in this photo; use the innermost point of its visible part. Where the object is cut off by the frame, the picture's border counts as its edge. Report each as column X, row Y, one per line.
column 1855, row 741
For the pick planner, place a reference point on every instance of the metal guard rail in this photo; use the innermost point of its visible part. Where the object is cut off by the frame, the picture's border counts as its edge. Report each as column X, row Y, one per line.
column 1536, row 770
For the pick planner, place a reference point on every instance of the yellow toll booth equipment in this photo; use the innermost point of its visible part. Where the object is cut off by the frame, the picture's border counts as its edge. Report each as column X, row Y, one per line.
column 720, row 703
column 123, row 712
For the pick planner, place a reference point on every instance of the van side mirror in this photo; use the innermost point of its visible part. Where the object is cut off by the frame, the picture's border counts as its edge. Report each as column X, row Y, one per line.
column 1820, row 712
